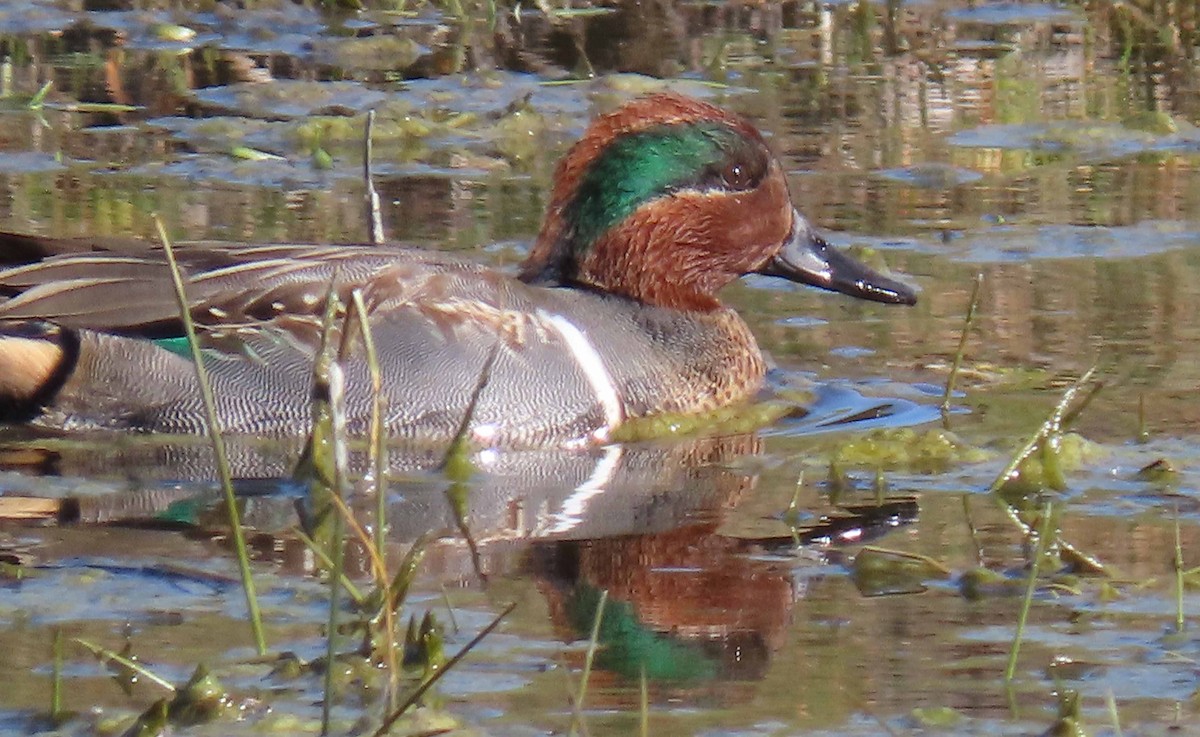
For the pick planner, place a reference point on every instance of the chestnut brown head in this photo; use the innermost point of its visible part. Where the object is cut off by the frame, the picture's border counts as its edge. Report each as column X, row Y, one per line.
column 667, row 199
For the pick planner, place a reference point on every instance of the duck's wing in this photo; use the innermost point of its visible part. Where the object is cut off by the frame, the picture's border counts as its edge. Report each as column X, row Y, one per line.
column 130, row 292
column 569, row 365
column 72, row 353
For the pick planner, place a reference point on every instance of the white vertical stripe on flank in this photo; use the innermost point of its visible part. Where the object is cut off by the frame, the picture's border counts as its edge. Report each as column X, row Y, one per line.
column 594, row 371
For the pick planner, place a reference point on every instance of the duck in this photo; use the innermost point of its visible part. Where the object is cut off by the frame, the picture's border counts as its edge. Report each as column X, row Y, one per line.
column 613, row 315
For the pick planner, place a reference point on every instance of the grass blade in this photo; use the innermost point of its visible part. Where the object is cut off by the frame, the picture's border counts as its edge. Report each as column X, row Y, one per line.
column 1043, row 543
column 1178, row 564
column 449, row 609
column 416, row 695
column 56, row 681
column 962, row 346
column 377, row 457
column 326, row 562
column 1054, row 423
column 643, row 703
column 374, row 217
column 39, row 97
column 588, row 658
column 328, row 450
column 108, row 656
column 1063, row 414
column 1110, row 705
column 214, row 433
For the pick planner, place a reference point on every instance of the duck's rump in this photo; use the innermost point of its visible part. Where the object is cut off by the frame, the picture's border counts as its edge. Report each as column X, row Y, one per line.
column 570, row 364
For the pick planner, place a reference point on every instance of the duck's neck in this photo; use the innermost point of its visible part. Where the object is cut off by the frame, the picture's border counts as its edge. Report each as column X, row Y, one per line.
column 649, row 258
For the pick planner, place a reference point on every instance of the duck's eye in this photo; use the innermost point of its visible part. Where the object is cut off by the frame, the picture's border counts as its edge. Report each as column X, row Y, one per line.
column 736, row 176
column 739, row 173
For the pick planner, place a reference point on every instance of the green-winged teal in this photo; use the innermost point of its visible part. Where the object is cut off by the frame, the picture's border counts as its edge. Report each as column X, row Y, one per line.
column 614, row 314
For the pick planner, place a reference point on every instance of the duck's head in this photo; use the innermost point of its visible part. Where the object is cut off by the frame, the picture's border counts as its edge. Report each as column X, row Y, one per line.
column 667, row 199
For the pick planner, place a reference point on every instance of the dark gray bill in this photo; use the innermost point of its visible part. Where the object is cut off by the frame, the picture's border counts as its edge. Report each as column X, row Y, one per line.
column 808, row 259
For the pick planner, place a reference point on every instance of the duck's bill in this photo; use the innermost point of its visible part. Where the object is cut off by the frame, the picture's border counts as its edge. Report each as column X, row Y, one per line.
column 808, row 259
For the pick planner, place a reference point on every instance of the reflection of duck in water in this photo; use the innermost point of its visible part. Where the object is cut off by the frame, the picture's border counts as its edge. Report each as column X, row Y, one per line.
column 642, row 521
column 689, row 604
column 620, row 489
column 685, row 604
column 614, row 316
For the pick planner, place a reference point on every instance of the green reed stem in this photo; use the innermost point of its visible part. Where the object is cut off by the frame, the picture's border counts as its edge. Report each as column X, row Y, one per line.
column 1178, row 563
column 1043, row 542
column 588, row 657
column 109, row 656
column 791, row 515
column 335, row 590
column 406, row 572
column 972, row 529
column 643, row 703
column 39, row 98
column 457, row 466
column 382, row 582
column 449, row 609
column 218, row 443
column 1065, row 412
column 1054, row 423
column 1143, row 434
column 331, row 424
column 416, row 695
column 457, row 453
column 1062, row 414
column 377, row 452
column 326, row 563
column 374, row 216
column 972, row 305
column 1110, row 705
column 56, row 676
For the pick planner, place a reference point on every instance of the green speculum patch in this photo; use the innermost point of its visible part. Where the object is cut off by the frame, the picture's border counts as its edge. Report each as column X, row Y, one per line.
column 642, row 166
column 178, row 346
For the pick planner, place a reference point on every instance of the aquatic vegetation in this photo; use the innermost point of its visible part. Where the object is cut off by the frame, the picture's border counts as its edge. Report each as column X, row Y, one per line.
column 924, row 451
column 877, row 571
column 1047, row 468
column 724, row 420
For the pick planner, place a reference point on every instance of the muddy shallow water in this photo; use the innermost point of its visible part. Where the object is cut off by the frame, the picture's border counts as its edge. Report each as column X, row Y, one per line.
column 1050, row 148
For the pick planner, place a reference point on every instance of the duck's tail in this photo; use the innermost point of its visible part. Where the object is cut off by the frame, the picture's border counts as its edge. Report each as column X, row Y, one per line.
column 17, row 249
column 61, row 377
column 36, row 359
